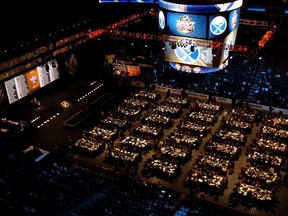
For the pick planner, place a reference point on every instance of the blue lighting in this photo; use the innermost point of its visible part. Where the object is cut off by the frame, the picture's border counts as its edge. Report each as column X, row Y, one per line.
column 258, row 9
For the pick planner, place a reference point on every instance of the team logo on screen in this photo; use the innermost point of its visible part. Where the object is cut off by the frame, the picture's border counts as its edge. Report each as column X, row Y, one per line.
column 187, row 54
column 218, row 25
column 33, row 79
column 161, row 20
column 185, row 25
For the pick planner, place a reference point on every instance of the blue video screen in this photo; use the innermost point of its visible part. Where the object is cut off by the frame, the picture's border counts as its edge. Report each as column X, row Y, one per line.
column 187, row 25
column 161, row 20
column 228, row 42
column 222, row 24
column 234, row 18
column 189, row 7
column 218, row 26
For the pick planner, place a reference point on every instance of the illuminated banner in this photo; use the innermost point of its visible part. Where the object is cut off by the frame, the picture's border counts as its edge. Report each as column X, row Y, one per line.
column 133, row 70
column 161, row 20
column 187, row 25
column 187, row 51
column 196, row 26
column 201, row 8
column 32, row 80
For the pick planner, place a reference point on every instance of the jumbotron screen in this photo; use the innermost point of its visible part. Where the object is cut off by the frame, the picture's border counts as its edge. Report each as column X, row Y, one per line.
column 191, row 31
column 204, row 26
column 188, row 51
column 123, row 69
column 27, row 83
column 202, row 7
column 197, row 52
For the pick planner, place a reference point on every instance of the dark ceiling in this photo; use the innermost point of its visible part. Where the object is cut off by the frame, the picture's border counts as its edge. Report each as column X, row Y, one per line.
column 24, row 22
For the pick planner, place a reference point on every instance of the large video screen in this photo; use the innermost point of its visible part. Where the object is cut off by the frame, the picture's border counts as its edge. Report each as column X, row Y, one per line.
column 234, row 19
column 188, row 51
column 200, row 8
column 229, row 42
column 186, row 25
column 204, row 26
column 221, row 24
column 123, row 69
column 27, row 83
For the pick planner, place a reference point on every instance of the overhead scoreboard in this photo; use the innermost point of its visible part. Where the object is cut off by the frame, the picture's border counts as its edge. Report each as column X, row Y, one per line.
column 198, row 35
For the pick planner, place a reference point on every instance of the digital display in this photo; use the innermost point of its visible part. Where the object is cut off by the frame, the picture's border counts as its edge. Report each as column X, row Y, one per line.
column 133, row 70
column 229, row 41
column 234, row 18
column 122, row 69
column 196, row 69
column 187, row 25
column 200, row 8
column 25, row 84
column 188, row 51
column 218, row 26
column 32, row 80
column 222, row 24
column 161, row 20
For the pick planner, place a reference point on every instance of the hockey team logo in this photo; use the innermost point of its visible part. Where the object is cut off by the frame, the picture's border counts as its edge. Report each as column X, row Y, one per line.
column 161, row 20
column 187, row 54
column 218, row 25
column 185, row 25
